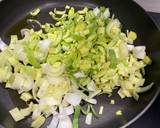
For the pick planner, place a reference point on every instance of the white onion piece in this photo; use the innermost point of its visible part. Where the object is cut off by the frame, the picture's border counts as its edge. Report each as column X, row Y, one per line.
column 2, row 45
column 64, row 122
column 78, row 92
column 130, row 47
column 139, row 52
column 52, row 71
column 91, row 86
column 106, row 13
column 22, row 83
column 18, row 81
column 18, row 50
column 92, row 101
column 84, row 96
column 25, row 33
column 101, row 110
column 43, row 86
column 93, row 94
column 66, row 110
column 54, row 80
column 96, row 11
column 88, row 120
column 64, row 103
column 72, row 99
column 50, row 101
column 44, row 44
column 113, row 23
column 54, row 122
column 28, row 84
column 79, row 75
column 36, row 113
column 51, row 110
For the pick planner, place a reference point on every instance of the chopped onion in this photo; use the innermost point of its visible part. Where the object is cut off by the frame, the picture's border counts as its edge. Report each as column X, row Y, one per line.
column 91, row 86
column 16, row 114
column 36, row 113
column 106, row 13
column 101, row 110
column 139, row 52
column 52, row 71
column 66, row 110
column 25, row 33
column 130, row 47
column 121, row 94
column 96, row 11
column 35, row 12
column 145, row 88
column 64, row 121
column 2, row 45
column 118, row 113
column 112, row 101
column 54, row 122
column 43, row 86
column 44, row 44
column 72, row 99
column 79, row 75
column 22, row 82
column 54, row 80
column 93, row 94
column 92, row 101
column 19, row 51
column 35, row 24
column 50, row 101
column 85, row 97
column 88, row 120
column 112, row 24
column 80, row 93
column 64, row 103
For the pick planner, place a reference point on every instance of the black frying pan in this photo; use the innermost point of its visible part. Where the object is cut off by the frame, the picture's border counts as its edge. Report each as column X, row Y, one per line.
column 13, row 15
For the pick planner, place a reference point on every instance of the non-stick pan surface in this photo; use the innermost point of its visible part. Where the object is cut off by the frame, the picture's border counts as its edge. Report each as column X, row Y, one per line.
column 13, row 15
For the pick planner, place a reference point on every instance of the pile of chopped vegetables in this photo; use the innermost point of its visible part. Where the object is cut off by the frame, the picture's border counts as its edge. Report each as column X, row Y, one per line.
column 82, row 55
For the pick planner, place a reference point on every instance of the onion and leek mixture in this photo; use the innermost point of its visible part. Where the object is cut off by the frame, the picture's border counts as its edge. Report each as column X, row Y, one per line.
column 82, row 55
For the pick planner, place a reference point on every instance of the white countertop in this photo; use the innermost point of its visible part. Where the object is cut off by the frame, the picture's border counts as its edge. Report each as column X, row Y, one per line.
column 150, row 5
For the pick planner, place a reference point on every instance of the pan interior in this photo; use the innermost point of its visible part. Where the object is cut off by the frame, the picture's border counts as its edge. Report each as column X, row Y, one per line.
column 131, row 16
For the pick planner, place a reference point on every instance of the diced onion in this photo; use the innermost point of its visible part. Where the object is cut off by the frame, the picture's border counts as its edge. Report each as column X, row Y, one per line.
column 66, row 110
column 92, row 101
column 101, row 110
column 93, row 94
column 3, row 46
column 130, row 47
column 16, row 114
column 64, row 121
column 72, row 99
column 119, row 112
column 54, row 122
column 36, row 113
column 79, row 75
column 88, row 120
column 91, row 86
column 107, row 13
column 139, row 52
column 44, row 44
column 96, row 11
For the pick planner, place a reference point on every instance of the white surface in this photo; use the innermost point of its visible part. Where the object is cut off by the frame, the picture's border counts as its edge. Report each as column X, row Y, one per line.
column 150, row 5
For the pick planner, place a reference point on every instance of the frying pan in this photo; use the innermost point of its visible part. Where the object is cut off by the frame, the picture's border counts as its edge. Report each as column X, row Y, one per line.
column 13, row 15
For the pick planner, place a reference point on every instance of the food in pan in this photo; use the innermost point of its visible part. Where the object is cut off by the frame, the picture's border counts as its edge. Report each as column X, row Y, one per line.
column 83, row 55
